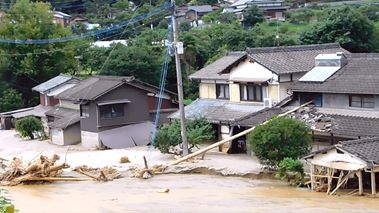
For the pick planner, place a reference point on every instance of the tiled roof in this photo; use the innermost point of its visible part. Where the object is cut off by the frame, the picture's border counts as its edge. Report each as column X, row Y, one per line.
column 213, row 71
column 201, row 8
column 291, row 59
column 366, row 149
column 350, row 112
column 259, row 117
column 359, row 76
column 352, row 126
column 216, row 111
column 94, row 87
column 280, row 60
column 64, row 117
column 65, row 122
column 52, row 83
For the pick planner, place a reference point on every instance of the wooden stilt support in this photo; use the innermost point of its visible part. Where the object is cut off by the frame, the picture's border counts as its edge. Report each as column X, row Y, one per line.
column 330, row 174
column 342, row 181
column 312, row 177
column 360, row 182
column 373, row 183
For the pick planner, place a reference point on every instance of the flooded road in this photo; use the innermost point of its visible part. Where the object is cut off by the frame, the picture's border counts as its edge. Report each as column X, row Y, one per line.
column 188, row 193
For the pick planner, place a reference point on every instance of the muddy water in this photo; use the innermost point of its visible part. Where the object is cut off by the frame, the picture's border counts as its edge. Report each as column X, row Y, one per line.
column 188, row 193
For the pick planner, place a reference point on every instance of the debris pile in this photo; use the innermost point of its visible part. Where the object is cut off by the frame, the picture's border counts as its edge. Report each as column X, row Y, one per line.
column 314, row 119
column 99, row 174
column 40, row 170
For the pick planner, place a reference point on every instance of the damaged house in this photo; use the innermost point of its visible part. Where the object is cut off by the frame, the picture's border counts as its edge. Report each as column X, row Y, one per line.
column 344, row 88
column 113, row 112
column 237, row 90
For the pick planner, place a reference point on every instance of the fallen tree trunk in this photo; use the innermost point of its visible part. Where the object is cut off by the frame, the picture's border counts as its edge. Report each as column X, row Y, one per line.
column 206, row 149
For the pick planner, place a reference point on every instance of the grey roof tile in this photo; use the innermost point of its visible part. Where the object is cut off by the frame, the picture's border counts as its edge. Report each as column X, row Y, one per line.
column 280, row 60
column 214, row 70
column 92, row 88
column 291, row 59
column 366, row 149
column 359, row 76
column 215, row 110
column 259, row 117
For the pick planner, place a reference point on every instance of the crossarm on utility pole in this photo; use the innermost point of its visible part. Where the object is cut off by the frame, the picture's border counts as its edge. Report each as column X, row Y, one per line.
column 201, row 151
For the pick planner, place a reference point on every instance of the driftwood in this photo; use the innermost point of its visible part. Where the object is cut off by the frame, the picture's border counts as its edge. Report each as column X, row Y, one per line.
column 41, row 169
column 98, row 174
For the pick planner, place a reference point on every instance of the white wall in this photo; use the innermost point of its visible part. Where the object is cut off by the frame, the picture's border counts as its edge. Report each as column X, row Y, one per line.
column 90, row 139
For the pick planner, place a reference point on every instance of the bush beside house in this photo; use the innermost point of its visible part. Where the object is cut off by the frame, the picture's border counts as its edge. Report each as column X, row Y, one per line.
column 168, row 136
column 29, row 126
column 278, row 139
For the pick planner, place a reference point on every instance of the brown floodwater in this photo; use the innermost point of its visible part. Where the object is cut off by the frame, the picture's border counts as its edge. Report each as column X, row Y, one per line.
column 188, row 193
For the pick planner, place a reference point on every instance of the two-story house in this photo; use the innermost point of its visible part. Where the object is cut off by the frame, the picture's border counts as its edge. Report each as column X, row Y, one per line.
column 241, row 85
column 344, row 87
column 115, row 112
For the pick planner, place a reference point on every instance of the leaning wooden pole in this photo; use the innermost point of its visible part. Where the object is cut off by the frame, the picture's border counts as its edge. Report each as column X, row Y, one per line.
column 206, row 149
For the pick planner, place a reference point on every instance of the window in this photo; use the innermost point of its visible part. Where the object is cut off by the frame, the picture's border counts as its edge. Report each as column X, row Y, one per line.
column 251, row 92
column 111, row 111
column 362, row 101
column 315, row 97
column 222, row 91
column 84, row 111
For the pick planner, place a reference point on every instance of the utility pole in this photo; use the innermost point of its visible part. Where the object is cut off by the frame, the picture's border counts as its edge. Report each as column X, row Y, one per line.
column 179, row 82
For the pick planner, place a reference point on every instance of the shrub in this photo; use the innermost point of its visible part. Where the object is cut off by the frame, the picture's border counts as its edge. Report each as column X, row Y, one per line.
column 168, row 136
column 278, row 139
column 291, row 170
column 29, row 125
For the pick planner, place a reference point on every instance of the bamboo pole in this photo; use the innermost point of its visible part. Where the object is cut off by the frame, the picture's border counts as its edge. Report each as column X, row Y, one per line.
column 201, row 151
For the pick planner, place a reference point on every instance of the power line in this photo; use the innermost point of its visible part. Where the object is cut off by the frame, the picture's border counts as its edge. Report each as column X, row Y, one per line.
column 97, row 33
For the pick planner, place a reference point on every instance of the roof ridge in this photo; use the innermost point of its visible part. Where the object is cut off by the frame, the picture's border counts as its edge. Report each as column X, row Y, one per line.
column 293, row 48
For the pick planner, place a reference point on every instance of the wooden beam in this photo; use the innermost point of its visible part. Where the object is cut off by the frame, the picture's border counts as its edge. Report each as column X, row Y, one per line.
column 373, row 183
column 342, row 181
column 360, row 182
column 330, row 174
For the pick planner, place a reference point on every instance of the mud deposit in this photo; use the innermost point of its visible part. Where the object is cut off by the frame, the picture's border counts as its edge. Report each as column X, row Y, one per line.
column 188, row 193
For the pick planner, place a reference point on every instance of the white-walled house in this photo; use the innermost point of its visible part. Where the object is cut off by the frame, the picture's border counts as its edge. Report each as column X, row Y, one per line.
column 240, row 86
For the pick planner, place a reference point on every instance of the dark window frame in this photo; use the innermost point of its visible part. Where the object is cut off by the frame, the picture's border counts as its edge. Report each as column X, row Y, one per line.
column 111, row 111
column 84, row 110
column 255, row 86
column 225, row 89
column 362, row 103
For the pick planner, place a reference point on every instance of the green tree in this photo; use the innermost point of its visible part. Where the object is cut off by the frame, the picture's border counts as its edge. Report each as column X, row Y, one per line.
column 24, row 66
column 278, row 139
column 198, row 131
column 29, row 126
column 343, row 25
column 10, row 100
column 252, row 16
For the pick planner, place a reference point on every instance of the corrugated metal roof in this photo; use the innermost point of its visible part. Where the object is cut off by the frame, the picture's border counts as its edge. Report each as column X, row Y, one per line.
column 215, row 110
column 52, row 83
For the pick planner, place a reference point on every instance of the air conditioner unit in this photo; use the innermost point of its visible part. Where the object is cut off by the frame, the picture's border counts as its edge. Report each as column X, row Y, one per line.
column 267, row 102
